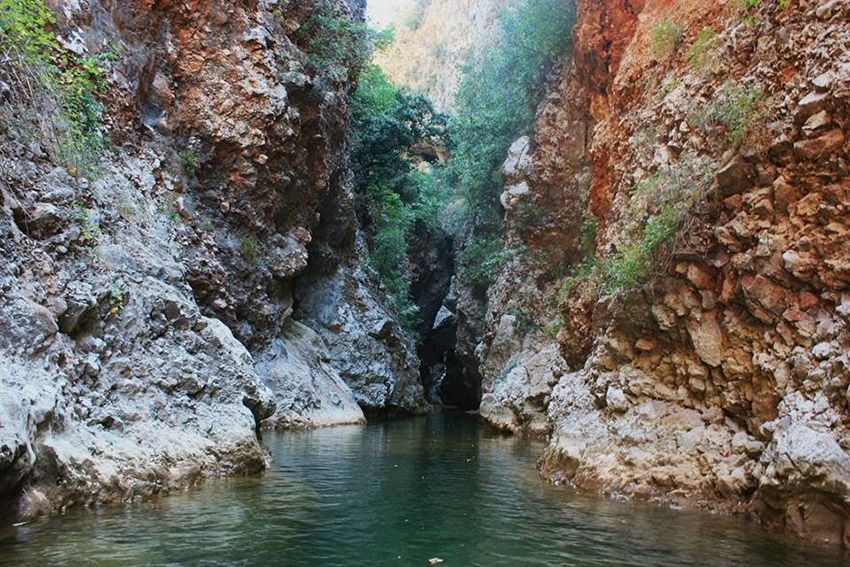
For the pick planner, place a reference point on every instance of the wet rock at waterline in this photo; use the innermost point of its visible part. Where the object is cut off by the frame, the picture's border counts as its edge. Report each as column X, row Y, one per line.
column 147, row 327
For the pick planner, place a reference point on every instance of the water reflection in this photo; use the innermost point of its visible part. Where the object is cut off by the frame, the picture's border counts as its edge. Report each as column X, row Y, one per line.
column 398, row 494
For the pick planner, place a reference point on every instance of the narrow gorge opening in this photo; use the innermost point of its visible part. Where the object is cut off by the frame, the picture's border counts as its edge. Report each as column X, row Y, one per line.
column 433, row 118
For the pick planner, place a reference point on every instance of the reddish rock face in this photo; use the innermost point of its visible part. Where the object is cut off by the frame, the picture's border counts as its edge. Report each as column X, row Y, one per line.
column 741, row 319
column 226, row 78
column 601, row 38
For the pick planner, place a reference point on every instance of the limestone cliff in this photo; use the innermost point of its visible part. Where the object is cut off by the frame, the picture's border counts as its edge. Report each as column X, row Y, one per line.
column 699, row 152
column 204, row 280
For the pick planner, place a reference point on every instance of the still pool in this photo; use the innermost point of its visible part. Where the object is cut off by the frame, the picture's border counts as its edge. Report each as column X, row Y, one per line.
column 399, row 493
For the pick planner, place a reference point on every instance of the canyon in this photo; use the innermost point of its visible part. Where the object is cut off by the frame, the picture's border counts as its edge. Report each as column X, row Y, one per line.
column 670, row 314
column 723, row 381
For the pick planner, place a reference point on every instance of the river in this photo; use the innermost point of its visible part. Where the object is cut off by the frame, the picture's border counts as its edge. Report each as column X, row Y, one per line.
column 399, row 493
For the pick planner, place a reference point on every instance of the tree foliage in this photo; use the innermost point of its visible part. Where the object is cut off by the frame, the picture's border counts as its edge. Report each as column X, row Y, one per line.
column 338, row 47
column 498, row 97
column 388, row 126
column 390, row 129
column 497, row 103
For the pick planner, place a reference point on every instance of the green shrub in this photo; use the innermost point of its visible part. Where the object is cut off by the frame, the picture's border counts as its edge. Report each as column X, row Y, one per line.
column 661, row 227
column 338, row 47
column 680, row 183
column 646, row 184
column 589, row 228
column 392, row 221
column 190, row 162
column 734, row 107
column 633, row 264
column 669, row 85
column 699, row 52
column 553, row 328
column 625, row 270
column 28, row 22
column 665, row 39
column 496, row 102
column 497, row 99
column 482, row 258
column 389, row 126
column 250, row 249
column 747, row 7
column 80, row 84
column 55, row 98
column 433, row 193
column 117, row 296
column 581, row 273
column 89, row 228
column 671, row 191
column 645, row 139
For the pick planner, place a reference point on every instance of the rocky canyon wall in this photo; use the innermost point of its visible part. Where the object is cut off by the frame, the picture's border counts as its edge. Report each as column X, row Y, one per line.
column 205, row 280
column 679, row 324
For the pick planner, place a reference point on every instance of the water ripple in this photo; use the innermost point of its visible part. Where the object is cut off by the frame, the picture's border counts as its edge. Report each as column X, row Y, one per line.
column 398, row 494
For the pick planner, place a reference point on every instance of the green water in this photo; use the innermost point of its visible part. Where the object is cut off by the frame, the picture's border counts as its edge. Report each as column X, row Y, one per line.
column 399, row 493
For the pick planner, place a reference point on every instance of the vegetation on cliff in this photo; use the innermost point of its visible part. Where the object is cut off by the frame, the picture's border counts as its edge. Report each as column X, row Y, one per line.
column 498, row 99
column 390, row 129
column 338, row 47
column 497, row 102
column 54, row 91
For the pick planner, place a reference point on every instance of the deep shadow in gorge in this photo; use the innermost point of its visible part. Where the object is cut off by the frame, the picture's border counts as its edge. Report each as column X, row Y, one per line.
column 432, row 261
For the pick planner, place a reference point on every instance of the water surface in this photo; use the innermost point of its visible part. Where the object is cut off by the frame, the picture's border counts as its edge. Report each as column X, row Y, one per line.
column 399, row 493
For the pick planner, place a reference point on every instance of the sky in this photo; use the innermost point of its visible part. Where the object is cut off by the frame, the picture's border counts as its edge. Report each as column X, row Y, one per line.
column 385, row 12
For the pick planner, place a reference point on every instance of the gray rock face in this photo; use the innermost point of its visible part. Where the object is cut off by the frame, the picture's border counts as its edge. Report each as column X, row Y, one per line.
column 146, row 314
column 113, row 383
column 365, row 343
column 518, row 398
column 308, row 389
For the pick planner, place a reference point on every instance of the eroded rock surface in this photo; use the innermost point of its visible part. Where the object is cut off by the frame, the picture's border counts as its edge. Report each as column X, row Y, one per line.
column 723, row 379
column 147, row 328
